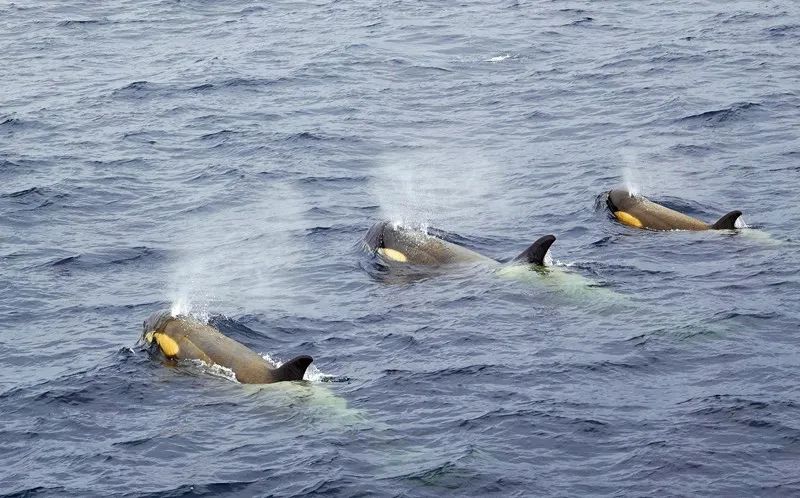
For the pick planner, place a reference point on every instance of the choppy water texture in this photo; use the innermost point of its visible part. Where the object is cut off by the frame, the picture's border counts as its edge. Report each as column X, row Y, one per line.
column 226, row 157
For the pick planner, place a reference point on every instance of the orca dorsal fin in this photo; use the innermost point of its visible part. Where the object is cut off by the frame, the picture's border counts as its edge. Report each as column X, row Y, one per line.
column 536, row 252
column 293, row 369
column 727, row 222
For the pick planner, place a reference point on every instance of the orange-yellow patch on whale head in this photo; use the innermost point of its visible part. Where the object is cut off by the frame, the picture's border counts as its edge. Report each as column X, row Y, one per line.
column 392, row 254
column 167, row 344
column 628, row 219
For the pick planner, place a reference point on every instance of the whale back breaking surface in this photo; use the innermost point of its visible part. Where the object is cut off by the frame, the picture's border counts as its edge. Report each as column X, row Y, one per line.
column 728, row 221
column 639, row 212
column 408, row 245
column 184, row 338
column 536, row 252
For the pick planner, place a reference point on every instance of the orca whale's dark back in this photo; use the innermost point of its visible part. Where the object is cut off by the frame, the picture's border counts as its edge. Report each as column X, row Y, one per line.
column 184, row 338
column 640, row 212
column 407, row 245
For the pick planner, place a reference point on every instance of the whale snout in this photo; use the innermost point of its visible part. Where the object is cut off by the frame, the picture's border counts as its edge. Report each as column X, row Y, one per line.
column 617, row 199
column 374, row 237
column 155, row 321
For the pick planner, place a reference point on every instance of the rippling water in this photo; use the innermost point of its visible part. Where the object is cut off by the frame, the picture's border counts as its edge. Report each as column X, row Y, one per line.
column 225, row 158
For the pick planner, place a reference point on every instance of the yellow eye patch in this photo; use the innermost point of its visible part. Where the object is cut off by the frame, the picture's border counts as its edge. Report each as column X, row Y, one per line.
column 628, row 219
column 167, row 344
column 393, row 255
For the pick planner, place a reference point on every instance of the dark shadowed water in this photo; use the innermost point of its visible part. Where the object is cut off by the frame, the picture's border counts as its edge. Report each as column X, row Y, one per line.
column 225, row 158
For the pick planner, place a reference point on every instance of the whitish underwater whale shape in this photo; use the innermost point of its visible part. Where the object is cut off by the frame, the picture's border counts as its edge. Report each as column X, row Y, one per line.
column 398, row 244
column 640, row 212
column 185, row 338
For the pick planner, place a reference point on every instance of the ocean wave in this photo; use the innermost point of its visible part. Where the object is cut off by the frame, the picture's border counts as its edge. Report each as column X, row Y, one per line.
column 33, row 191
column 694, row 150
column 240, row 82
column 109, row 259
column 35, row 491
column 732, row 113
column 135, row 87
column 199, row 489
column 81, row 22
column 784, row 31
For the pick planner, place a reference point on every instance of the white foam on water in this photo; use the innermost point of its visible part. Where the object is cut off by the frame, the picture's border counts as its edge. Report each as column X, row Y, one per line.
column 275, row 363
column 312, row 374
column 216, row 370
column 498, row 58
column 740, row 223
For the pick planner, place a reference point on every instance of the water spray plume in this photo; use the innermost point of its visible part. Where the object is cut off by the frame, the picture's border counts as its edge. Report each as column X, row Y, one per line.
column 426, row 187
column 631, row 185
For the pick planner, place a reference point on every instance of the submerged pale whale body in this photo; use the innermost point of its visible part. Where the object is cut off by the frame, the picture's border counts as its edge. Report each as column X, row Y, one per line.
column 400, row 246
column 640, row 212
column 184, row 338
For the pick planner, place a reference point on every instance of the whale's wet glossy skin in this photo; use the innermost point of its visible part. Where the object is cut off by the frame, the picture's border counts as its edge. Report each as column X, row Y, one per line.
column 639, row 212
column 406, row 245
column 398, row 244
column 184, row 338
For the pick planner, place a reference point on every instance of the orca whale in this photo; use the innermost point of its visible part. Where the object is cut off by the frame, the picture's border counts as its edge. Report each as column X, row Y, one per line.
column 398, row 244
column 175, row 338
column 640, row 212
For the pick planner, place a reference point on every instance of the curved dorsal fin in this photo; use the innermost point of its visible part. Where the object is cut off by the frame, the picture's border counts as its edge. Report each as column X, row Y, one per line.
column 536, row 252
column 293, row 369
column 727, row 222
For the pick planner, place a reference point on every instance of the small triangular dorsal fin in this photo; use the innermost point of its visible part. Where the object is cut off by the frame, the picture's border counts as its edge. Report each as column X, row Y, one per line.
column 727, row 222
column 293, row 369
column 536, row 252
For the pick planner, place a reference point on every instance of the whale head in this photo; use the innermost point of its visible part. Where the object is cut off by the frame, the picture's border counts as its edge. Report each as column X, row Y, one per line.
column 374, row 239
column 619, row 199
column 154, row 323
column 384, row 239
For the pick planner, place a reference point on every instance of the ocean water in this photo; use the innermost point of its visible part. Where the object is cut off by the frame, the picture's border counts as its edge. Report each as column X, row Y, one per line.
column 224, row 159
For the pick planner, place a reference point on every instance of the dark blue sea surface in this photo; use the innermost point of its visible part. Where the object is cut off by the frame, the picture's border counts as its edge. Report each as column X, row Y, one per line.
column 224, row 159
